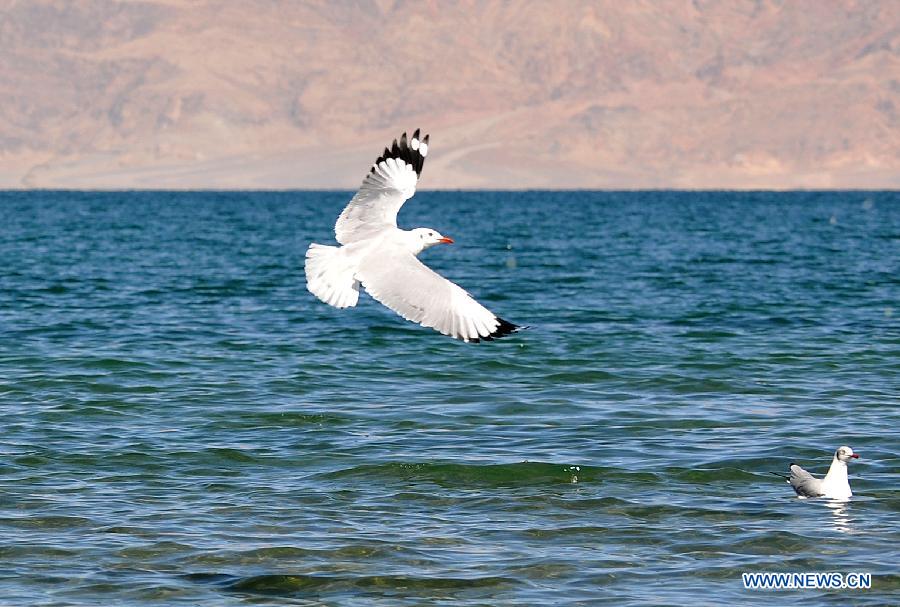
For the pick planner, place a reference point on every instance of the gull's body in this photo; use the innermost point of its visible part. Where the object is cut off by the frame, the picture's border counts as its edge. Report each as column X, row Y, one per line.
column 382, row 258
column 835, row 484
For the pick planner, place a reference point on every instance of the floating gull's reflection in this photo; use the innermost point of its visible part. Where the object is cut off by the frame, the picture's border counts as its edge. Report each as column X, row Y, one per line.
column 840, row 509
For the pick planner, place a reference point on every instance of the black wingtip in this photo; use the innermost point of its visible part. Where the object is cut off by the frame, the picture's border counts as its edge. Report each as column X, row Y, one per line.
column 504, row 328
column 384, row 155
column 406, row 149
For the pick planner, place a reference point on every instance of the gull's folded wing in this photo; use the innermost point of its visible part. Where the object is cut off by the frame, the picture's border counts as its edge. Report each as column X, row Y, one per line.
column 804, row 483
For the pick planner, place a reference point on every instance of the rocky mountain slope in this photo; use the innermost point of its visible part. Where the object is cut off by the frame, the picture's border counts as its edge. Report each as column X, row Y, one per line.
column 278, row 93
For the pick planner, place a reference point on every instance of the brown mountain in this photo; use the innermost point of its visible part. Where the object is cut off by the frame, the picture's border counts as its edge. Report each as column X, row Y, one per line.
column 269, row 93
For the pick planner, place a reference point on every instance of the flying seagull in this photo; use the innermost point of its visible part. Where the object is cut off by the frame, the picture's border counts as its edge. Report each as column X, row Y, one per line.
column 383, row 258
column 835, row 484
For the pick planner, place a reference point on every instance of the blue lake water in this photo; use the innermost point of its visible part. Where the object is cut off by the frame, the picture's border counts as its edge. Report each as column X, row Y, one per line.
column 184, row 424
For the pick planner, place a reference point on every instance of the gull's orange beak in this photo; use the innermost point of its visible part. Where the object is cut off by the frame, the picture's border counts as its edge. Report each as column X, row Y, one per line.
column 446, row 240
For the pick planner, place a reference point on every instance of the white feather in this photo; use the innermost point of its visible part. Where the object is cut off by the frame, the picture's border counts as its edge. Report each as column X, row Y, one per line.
column 396, row 278
column 375, row 206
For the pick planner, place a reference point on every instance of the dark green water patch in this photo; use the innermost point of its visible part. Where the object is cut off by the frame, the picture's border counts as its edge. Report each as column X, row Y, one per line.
column 465, row 475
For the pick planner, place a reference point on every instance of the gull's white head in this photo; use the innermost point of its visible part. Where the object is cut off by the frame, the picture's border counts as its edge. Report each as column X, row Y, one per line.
column 428, row 237
column 845, row 454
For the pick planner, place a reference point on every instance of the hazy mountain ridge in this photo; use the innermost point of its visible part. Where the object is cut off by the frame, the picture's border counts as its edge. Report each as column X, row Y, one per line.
column 533, row 94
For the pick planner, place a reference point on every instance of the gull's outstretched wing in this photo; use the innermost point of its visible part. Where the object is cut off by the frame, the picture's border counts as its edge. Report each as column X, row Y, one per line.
column 404, row 284
column 804, row 483
column 391, row 182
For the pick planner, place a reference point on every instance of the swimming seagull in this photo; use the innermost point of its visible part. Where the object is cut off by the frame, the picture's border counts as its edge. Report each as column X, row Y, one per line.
column 835, row 484
column 382, row 258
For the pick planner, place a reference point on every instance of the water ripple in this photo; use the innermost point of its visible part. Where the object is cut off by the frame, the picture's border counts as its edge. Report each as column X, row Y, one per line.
column 185, row 424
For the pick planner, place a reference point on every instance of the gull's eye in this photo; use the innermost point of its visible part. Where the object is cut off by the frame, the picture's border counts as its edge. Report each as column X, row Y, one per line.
column 431, row 233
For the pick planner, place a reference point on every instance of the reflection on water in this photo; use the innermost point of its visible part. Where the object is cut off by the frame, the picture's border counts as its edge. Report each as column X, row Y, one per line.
column 840, row 510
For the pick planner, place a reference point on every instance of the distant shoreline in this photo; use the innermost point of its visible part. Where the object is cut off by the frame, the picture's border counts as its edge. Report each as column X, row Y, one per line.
column 443, row 190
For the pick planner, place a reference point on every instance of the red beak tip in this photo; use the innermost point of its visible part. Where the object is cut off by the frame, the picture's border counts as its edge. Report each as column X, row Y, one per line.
column 855, row 456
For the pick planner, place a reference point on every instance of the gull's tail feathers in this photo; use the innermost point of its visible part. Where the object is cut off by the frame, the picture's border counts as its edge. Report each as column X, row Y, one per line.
column 330, row 276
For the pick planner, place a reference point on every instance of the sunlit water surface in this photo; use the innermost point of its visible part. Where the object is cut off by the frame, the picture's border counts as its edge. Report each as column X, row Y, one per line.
column 182, row 423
